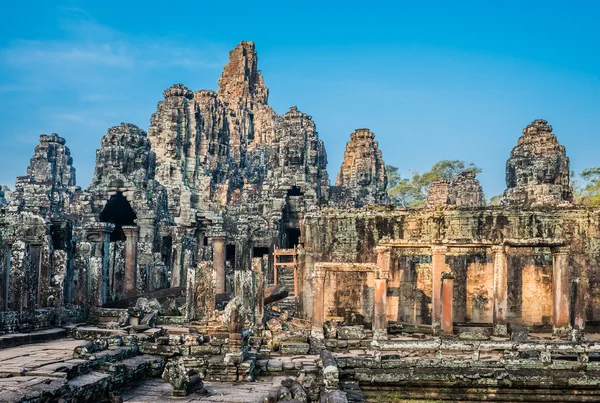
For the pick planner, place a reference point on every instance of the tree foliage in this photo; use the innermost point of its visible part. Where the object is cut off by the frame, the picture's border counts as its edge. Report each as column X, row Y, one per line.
column 412, row 192
column 587, row 188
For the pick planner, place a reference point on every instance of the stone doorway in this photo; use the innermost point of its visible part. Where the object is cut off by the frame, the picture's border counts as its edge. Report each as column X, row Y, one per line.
column 119, row 212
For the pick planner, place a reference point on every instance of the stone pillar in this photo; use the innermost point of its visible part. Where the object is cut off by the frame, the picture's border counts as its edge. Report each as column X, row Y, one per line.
column 438, row 264
column 190, row 294
column 318, row 317
column 98, row 234
column 131, row 247
column 60, row 262
column 447, row 302
column 19, row 260
column 380, row 298
column 259, row 290
column 81, row 290
column 175, row 265
column 500, row 290
column 5, row 292
column 560, row 290
column 577, row 320
column 218, row 244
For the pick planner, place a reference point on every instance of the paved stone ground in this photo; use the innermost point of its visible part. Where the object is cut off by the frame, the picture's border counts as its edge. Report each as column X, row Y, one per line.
column 154, row 390
column 34, row 367
column 36, row 358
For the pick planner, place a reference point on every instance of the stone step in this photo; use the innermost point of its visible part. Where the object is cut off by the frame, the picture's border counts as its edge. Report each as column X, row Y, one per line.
column 97, row 383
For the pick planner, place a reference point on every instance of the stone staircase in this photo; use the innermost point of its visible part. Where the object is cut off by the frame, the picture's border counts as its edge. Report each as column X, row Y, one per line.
column 94, row 371
column 285, row 265
column 289, row 304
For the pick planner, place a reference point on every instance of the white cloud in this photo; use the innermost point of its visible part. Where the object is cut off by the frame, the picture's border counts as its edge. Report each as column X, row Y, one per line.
column 91, row 54
column 48, row 53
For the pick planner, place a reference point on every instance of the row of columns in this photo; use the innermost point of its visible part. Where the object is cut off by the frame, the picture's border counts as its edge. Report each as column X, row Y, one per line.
column 98, row 234
column 442, row 293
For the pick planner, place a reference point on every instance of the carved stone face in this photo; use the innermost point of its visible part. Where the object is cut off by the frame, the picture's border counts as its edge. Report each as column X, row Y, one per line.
column 293, row 156
column 363, row 173
column 172, row 148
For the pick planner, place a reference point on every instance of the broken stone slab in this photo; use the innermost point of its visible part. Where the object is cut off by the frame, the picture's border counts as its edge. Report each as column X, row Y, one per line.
column 163, row 350
column 287, row 348
column 336, row 396
column 205, row 349
column 183, row 381
column 274, row 325
column 519, row 333
column 283, row 394
column 275, row 293
column 297, row 391
column 474, row 333
column 351, row 333
column 331, row 329
column 274, row 366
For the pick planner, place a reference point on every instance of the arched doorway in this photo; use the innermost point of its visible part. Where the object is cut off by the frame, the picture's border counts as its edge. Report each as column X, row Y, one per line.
column 118, row 211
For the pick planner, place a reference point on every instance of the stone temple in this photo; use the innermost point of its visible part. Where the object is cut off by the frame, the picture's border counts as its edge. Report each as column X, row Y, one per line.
column 211, row 257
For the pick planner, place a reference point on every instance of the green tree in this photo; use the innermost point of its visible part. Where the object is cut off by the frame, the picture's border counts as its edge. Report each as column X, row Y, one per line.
column 587, row 188
column 494, row 200
column 412, row 192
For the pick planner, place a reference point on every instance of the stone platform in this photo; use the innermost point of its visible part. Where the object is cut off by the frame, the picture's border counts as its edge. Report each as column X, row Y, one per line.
column 154, row 390
column 47, row 372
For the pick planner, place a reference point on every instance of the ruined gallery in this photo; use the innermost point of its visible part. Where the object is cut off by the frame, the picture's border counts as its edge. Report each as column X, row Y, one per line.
column 212, row 259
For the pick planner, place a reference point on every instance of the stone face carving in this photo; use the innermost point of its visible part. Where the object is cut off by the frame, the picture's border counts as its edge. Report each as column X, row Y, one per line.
column 362, row 174
column 464, row 191
column 49, row 187
column 297, row 158
column 537, row 172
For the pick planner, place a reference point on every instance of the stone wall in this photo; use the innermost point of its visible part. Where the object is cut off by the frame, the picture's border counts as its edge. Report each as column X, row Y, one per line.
column 352, row 235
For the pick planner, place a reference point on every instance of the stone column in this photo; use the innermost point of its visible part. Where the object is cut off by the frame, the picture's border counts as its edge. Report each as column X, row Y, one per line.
column 259, row 290
column 577, row 320
column 560, row 290
column 318, row 317
column 447, row 302
column 98, row 234
column 5, row 292
column 218, row 244
column 438, row 264
column 380, row 298
column 19, row 261
column 190, row 294
column 500, row 290
column 131, row 245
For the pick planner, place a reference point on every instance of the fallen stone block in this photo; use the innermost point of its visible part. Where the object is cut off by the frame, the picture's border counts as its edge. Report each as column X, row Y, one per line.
column 275, row 293
column 351, row 333
column 287, row 348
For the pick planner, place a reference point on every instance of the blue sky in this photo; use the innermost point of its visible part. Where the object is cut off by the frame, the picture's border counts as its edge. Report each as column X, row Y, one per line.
column 433, row 80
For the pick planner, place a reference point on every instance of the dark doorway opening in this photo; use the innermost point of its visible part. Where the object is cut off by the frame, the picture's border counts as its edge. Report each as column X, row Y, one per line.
column 260, row 251
column 292, row 236
column 165, row 250
column 230, row 255
column 295, row 191
column 573, row 303
column 118, row 211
